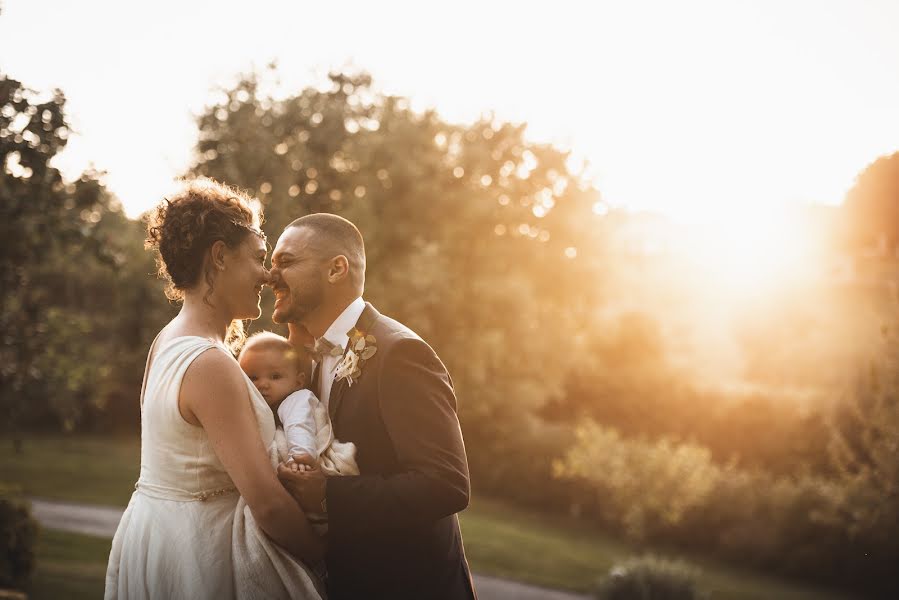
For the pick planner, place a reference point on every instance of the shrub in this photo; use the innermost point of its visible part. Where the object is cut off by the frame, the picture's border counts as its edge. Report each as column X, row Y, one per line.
column 18, row 532
column 661, row 492
column 647, row 486
column 865, row 452
column 649, row 578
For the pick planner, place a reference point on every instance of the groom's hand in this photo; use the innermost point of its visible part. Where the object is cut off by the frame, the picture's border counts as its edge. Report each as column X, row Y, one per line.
column 307, row 485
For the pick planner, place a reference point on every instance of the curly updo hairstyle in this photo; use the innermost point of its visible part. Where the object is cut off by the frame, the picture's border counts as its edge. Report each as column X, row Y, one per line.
column 184, row 226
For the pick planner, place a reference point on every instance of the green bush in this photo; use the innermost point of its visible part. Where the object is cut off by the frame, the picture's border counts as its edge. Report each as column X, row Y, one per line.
column 669, row 493
column 865, row 452
column 649, row 487
column 649, row 578
column 18, row 533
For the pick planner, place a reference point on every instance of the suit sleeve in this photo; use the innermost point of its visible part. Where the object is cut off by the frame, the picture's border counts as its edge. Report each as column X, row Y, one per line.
column 418, row 409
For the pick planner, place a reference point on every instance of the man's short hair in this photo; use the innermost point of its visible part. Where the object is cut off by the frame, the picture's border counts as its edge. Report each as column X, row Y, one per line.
column 268, row 340
column 334, row 236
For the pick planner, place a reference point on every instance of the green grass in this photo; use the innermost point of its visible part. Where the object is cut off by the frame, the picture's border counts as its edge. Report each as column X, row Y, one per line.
column 526, row 546
column 69, row 566
column 563, row 553
column 89, row 469
column 500, row 540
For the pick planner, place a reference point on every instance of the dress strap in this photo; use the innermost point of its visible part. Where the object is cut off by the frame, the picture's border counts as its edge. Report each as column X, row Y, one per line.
column 143, row 386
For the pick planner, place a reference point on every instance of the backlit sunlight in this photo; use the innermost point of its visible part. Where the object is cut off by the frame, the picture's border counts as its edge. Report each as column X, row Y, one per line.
column 750, row 251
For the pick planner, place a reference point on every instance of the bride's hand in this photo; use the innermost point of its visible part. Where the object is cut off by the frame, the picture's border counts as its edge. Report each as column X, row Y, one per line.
column 307, row 486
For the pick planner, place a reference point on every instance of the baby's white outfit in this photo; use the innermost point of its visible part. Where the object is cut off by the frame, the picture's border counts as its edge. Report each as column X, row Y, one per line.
column 307, row 430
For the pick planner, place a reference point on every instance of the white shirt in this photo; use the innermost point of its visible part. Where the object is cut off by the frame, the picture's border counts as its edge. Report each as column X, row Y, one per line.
column 297, row 414
column 337, row 335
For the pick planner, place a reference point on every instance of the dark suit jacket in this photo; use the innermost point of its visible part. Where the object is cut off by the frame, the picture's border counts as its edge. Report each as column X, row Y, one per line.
column 393, row 531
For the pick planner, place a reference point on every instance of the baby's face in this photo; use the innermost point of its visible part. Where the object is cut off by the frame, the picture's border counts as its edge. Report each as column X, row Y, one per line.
column 273, row 374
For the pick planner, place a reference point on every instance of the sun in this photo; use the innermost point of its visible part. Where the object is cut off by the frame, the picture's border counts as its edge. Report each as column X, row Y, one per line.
column 748, row 250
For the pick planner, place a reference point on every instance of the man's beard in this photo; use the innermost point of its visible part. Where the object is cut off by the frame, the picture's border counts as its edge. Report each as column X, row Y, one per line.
column 301, row 304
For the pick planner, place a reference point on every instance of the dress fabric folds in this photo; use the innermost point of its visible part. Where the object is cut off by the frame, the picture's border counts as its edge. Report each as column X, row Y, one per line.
column 187, row 533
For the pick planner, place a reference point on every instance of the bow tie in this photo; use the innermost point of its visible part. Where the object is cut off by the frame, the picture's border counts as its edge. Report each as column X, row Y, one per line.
column 323, row 348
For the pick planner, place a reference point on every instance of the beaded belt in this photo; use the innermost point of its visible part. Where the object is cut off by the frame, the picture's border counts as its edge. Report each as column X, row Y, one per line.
column 169, row 493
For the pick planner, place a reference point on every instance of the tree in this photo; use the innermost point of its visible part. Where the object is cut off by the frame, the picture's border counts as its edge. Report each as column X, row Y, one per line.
column 872, row 205
column 471, row 232
column 64, row 246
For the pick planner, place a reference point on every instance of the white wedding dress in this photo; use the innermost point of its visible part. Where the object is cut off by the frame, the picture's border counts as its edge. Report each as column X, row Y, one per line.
column 186, row 532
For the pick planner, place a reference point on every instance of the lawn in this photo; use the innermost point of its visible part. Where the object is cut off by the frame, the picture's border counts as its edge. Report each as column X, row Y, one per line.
column 563, row 553
column 92, row 470
column 69, row 566
column 500, row 539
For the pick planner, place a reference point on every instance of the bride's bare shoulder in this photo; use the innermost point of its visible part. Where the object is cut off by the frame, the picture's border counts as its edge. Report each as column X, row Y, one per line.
column 212, row 383
column 172, row 332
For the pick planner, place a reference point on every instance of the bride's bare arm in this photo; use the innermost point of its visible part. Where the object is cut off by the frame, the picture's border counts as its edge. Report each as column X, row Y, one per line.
column 214, row 395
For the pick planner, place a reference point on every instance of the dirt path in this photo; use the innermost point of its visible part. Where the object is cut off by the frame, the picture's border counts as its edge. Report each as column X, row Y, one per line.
column 101, row 521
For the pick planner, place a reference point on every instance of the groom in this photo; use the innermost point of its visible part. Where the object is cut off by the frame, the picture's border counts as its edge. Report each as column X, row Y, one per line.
column 393, row 531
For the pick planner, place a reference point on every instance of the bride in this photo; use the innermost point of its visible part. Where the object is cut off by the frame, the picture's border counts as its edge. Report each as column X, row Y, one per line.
column 209, row 518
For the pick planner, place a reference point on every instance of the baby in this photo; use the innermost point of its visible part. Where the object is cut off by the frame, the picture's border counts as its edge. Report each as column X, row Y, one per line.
column 281, row 374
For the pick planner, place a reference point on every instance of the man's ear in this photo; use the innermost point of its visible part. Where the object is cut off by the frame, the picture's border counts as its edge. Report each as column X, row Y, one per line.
column 217, row 255
column 339, row 269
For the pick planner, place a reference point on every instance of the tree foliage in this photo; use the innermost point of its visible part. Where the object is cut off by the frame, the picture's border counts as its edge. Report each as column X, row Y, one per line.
column 466, row 228
column 73, row 275
column 865, row 452
column 872, row 205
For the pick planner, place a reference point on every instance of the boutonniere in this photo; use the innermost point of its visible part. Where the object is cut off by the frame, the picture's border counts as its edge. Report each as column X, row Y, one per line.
column 360, row 348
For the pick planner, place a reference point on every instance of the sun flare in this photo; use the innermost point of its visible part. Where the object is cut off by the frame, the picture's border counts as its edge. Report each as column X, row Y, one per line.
column 750, row 251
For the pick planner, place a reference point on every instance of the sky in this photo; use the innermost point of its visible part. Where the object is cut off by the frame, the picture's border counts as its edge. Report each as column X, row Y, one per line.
column 688, row 108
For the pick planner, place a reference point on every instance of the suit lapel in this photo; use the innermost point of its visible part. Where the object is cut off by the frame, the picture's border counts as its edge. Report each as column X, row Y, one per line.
column 368, row 318
column 337, row 390
column 316, row 383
